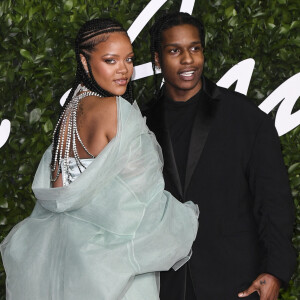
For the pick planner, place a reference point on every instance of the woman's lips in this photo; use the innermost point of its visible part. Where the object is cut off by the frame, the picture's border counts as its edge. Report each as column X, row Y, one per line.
column 121, row 81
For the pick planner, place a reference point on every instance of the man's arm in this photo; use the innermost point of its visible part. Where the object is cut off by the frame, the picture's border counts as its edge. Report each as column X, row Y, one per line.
column 273, row 211
column 266, row 285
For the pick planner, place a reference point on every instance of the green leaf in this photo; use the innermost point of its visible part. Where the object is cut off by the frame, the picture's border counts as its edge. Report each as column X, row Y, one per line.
column 3, row 203
column 26, row 54
column 3, row 219
column 26, row 65
column 295, row 24
column 293, row 167
column 35, row 115
column 284, row 29
column 295, row 41
column 271, row 25
column 48, row 126
column 39, row 58
column 230, row 11
column 259, row 14
column 68, row 5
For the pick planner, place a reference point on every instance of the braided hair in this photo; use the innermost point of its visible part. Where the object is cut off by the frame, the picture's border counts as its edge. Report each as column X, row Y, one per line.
column 163, row 23
column 89, row 36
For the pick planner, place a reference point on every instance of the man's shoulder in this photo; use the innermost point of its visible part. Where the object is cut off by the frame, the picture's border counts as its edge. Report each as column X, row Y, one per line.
column 153, row 111
column 151, row 105
column 235, row 102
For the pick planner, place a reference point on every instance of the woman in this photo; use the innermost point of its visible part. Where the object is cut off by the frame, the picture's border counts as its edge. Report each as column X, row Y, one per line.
column 102, row 225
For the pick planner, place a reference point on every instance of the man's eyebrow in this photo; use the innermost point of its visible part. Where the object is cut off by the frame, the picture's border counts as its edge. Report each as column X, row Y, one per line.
column 178, row 44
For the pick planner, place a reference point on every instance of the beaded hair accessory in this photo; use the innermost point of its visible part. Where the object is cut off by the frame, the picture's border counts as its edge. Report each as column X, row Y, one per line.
column 89, row 36
column 67, row 126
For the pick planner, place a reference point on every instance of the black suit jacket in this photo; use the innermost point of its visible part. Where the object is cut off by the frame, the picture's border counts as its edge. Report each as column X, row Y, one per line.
column 235, row 173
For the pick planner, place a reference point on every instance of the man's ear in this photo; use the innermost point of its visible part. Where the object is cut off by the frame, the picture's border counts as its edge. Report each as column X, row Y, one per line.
column 84, row 63
column 156, row 58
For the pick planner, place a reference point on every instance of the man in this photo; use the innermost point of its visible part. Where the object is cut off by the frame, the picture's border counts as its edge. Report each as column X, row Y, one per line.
column 223, row 153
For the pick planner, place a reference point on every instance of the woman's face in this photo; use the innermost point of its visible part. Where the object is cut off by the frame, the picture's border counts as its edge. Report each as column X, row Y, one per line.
column 112, row 63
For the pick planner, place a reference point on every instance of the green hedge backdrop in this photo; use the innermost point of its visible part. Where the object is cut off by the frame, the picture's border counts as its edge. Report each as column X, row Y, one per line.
column 37, row 66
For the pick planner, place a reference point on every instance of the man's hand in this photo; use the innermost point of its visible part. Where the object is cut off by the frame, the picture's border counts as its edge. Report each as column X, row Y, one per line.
column 266, row 285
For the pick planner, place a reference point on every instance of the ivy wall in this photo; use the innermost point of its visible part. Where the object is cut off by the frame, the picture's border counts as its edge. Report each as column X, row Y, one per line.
column 37, row 66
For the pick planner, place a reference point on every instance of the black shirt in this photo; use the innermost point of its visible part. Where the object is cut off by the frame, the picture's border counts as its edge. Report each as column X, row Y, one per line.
column 179, row 118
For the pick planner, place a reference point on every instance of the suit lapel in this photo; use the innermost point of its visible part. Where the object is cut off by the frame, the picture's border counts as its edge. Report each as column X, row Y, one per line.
column 204, row 118
column 157, row 124
column 170, row 168
column 205, row 115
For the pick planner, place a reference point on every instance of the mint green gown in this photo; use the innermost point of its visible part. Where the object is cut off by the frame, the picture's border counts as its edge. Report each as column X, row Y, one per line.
column 107, row 234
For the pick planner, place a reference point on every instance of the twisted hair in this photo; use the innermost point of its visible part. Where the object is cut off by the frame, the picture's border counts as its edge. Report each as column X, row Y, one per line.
column 89, row 36
column 165, row 22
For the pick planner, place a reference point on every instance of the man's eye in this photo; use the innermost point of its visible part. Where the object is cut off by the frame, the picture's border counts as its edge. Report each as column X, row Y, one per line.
column 196, row 48
column 110, row 61
column 174, row 51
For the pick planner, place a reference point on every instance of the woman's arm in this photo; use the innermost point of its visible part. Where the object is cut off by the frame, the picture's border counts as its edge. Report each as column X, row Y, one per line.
column 168, row 228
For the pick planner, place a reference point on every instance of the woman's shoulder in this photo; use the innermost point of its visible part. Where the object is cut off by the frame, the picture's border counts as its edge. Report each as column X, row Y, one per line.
column 97, row 112
column 97, row 122
column 94, row 107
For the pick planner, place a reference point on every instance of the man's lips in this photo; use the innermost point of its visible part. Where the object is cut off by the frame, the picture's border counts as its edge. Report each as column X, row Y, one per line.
column 121, row 81
column 188, row 74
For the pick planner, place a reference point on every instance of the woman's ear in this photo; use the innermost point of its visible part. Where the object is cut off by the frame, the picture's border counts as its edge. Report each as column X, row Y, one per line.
column 84, row 63
column 156, row 58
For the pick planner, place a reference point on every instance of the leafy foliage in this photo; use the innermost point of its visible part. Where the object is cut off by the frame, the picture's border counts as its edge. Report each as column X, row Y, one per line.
column 37, row 66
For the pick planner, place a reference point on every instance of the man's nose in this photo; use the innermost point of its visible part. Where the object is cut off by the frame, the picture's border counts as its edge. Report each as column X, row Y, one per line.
column 187, row 57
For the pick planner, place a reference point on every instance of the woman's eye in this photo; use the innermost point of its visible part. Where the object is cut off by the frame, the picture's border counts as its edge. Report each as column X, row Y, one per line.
column 130, row 59
column 110, row 61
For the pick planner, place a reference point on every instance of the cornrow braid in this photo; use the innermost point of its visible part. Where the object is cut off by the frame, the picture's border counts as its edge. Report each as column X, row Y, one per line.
column 165, row 22
column 89, row 36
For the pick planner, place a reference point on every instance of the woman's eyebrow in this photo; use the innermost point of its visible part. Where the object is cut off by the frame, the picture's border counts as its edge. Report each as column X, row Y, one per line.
column 115, row 55
column 110, row 54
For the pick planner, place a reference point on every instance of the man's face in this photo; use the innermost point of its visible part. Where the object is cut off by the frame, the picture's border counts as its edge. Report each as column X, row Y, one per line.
column 181, row 61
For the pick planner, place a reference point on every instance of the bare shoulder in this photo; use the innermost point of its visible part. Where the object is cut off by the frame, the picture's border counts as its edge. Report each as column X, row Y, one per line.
column 98, row 111
column 97, row 122
column 92, row 104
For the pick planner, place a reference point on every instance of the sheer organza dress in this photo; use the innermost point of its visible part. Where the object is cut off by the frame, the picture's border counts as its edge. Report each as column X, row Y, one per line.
column 106, row 235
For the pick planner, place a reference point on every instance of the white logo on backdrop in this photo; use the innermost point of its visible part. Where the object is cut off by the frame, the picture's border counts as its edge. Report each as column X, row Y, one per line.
column 286, row 94
column 4, row 131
